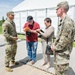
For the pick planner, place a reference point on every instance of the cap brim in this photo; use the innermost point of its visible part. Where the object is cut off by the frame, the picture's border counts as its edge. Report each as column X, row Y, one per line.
column 12, row 14
column 57, row 8
column 28, row 20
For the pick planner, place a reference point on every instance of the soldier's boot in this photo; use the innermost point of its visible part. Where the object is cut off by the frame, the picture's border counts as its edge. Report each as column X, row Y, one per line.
column 8, row 69
column 14, row 63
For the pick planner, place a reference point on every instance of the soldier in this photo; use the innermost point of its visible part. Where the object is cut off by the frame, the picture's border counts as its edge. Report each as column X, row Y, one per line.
column 63, row 44
column 10, row 34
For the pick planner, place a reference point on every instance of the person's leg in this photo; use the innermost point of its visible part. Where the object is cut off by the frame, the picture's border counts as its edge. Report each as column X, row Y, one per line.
column 44, row 55
column 34, row 48
column 14, row 50
column 61, row 69
column 61, row 64
column 8, row 58
column 48, row 61
column 29, row 50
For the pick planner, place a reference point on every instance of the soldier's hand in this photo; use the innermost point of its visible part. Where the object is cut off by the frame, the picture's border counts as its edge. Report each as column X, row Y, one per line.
column 15, row 38
column 52, row 47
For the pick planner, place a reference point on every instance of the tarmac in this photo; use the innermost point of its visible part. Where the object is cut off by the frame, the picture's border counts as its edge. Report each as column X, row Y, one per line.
column 27, row 68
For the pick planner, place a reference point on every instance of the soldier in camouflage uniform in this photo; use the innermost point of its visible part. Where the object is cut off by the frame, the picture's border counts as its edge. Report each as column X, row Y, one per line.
column 10, row 34
column 63, row 44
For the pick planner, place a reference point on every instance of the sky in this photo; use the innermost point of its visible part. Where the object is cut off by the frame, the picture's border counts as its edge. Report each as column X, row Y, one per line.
column 7, row 5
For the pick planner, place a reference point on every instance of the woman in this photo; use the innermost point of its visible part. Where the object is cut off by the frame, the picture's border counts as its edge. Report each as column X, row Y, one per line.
column 47, row 34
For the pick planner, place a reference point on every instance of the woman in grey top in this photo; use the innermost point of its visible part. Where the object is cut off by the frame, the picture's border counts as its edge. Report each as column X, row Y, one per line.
column 48, row 33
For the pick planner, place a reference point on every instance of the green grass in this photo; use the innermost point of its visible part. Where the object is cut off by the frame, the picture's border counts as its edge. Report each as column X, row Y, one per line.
column 1, row 26
column 1, row 23
column 21, row 36
column 73, row 44
column 0, row 29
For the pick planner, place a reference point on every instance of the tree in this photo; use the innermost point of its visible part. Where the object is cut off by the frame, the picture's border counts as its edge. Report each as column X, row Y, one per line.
column 3, row 19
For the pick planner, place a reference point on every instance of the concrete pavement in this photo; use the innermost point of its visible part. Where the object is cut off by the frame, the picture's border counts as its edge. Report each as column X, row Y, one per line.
column 1, row 40
column 28, row 69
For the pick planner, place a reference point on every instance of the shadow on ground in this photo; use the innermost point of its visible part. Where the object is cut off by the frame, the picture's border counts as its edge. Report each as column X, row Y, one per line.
column 23, row 61
column 70, row 71
column 39, row 57
column 39, row 62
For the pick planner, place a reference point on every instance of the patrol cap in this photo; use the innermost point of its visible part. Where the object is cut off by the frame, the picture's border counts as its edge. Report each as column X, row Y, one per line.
column 10, row 12
column 64, row 5
column 29, row 18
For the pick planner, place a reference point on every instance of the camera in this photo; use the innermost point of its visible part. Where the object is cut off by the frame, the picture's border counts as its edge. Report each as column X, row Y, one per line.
column 28, row 33
column 41, row 30
column 40, row 34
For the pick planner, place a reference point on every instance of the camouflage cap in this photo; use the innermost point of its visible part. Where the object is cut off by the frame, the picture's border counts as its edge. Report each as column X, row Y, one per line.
column 63, row 4
column 10, row 12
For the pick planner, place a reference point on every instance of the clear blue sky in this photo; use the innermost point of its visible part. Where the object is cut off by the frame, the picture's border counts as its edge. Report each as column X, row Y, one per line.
column 7, row 5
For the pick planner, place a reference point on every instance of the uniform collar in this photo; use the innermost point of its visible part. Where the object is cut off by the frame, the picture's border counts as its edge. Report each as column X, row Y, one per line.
column 9, row 20
column 62, row 20
column 48, row 27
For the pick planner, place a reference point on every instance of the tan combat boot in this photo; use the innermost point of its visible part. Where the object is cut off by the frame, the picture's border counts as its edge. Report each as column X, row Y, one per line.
column 8, row 69
column 14, row 63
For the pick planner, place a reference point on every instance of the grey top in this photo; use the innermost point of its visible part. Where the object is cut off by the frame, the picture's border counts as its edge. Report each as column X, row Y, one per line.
column 48, row 33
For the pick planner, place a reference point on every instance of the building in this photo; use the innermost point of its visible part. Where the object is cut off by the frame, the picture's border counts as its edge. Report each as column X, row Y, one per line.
column 40, row 9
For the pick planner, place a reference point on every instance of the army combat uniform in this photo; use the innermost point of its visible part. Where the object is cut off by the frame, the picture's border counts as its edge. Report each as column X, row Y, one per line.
column 9, row 31
column 63, row 45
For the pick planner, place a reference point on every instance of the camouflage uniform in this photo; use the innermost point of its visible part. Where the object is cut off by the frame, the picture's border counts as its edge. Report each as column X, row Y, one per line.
column 9, row 31
column 63, row 45
column 64, row 41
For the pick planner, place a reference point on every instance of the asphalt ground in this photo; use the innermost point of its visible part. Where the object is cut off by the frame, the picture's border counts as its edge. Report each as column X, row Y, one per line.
column 27, row 68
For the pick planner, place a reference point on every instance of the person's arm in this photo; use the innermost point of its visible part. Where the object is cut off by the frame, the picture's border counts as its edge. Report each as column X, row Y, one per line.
column 65, row 37
column 25, row 25
column 5, row 30
column 48, row 32
column 35, row 31
column 15, row 30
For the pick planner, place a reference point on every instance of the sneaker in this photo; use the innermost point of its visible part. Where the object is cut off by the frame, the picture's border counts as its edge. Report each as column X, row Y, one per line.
column 32, row 62
column 47, row 66
column 8, row 69
column 16, row 63
column 44, row 63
